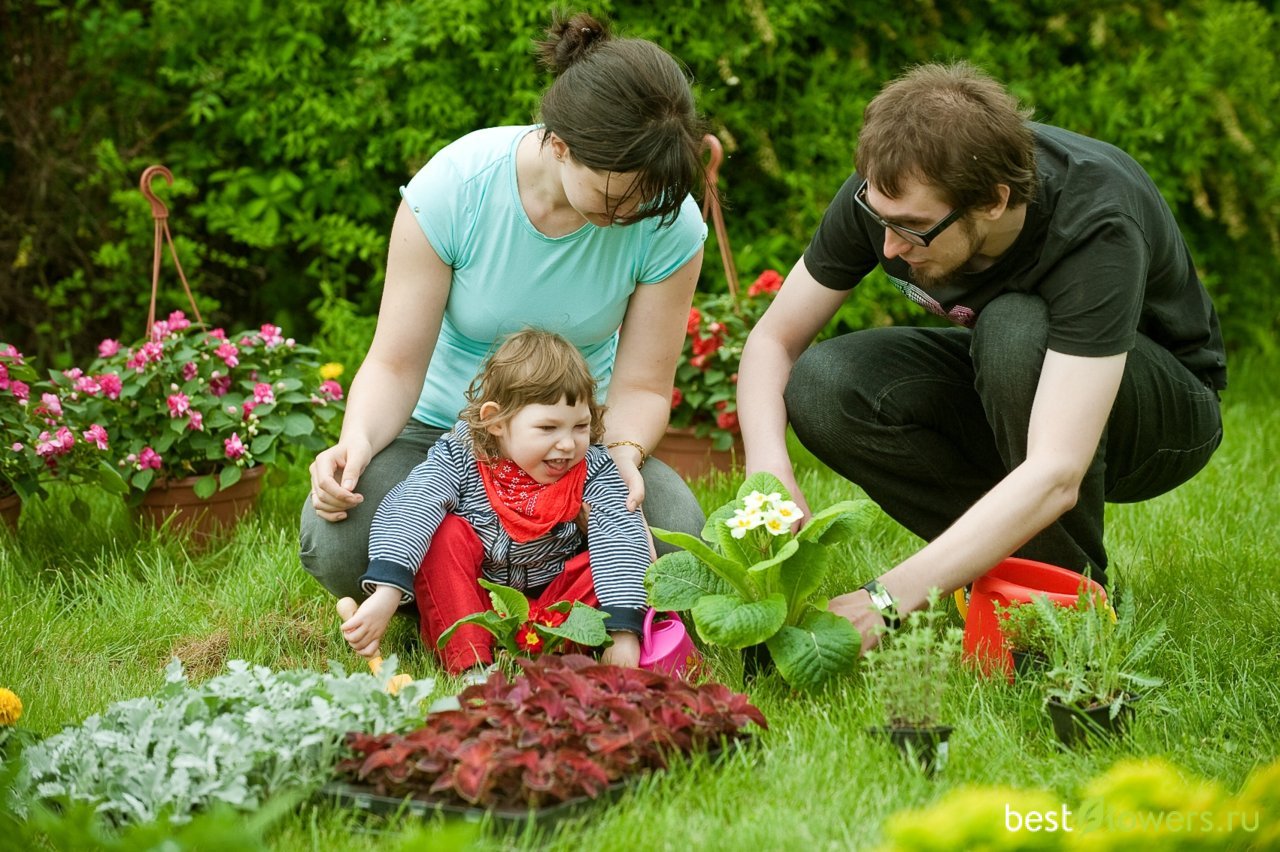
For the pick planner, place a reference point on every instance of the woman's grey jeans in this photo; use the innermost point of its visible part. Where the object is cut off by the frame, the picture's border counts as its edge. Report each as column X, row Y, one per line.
column 927, row 420
column 337, row 554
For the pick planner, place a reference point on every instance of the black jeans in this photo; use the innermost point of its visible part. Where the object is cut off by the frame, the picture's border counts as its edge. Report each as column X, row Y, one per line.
column 926, row 421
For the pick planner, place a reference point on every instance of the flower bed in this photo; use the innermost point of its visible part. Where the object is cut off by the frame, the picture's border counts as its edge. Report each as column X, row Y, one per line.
column 564, row 729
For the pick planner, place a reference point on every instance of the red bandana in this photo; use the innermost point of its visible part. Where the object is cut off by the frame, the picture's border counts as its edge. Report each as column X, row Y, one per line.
column 528, row 508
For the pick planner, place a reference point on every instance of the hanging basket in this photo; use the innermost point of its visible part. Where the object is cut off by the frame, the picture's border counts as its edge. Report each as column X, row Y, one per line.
column 175, row 502
column 693, row 457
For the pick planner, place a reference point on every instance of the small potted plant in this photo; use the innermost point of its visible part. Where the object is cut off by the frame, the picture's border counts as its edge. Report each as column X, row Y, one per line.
column 751, row 580
column 703, row 431
column 1025, row 635
column 1093, row 676
column 907, row 674
column 194, row 413
column 523, row 629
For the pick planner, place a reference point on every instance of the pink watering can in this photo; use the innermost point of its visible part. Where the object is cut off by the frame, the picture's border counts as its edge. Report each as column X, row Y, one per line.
column 666, row 647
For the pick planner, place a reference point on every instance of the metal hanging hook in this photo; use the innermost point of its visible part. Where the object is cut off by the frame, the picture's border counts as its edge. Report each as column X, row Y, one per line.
column 158, row 210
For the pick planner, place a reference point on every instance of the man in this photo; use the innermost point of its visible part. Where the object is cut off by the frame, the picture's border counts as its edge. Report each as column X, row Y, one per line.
column 1083, row 366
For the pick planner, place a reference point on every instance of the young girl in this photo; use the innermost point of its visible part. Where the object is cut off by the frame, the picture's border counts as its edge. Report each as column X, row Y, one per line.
column 507, row 494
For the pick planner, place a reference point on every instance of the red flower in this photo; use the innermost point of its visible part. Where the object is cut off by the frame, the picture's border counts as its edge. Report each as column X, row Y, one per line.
column 527, row 639
column 695, row 317
column 676, row 397
column 699, row 361
column 706, row 345
column 727, row 420
column 546, row 617
column 722, row 405
column 768, row 282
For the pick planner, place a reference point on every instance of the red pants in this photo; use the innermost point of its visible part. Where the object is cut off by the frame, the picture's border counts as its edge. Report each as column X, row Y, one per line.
column 447, row 588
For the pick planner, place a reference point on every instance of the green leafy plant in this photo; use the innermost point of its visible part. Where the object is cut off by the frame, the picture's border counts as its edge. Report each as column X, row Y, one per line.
column 190, row 402
column 525, row 629
column 704, row 398
column 1095, row 654
column 232, row 740
column 908, row 672
column 751, row 580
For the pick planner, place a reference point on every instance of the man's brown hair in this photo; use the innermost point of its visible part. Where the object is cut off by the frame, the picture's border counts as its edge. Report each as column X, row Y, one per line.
column 951, row 126
column 531, row 367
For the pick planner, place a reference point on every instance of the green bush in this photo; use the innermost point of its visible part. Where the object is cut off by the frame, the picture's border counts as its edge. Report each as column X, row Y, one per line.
column 290, row 127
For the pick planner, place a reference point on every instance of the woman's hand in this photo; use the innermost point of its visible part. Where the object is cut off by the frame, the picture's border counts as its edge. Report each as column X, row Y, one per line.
column 334, row 475
column 627, row 460
column 625, row 650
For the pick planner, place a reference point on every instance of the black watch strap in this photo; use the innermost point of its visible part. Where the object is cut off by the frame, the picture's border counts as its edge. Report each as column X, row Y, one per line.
column 884, row 604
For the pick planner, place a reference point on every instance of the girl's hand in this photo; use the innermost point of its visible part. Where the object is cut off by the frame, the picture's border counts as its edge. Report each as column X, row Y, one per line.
column 332, row 496
column 364, row 630
column 625, row 650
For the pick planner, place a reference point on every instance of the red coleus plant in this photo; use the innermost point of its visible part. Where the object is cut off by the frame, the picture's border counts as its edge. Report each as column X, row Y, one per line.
column 565, row 728
column 704, row 397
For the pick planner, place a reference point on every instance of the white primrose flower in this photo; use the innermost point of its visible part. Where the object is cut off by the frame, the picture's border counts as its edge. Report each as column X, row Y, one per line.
column 773, row 498
column 787, row 510
column 775, row 523
column 753, row 501
column 742, row 521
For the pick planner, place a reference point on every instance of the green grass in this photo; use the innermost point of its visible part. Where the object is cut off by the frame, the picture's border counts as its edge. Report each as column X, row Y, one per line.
column 91, row 610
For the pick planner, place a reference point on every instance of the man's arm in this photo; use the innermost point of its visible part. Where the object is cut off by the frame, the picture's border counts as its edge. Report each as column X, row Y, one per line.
column 1072, row 403
column 799, row 311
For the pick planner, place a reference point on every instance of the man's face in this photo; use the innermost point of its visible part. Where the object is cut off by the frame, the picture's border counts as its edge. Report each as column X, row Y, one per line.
column 920, row 207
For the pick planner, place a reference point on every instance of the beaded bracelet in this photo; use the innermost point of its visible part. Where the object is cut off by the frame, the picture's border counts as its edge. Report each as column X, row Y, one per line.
column 640, row 448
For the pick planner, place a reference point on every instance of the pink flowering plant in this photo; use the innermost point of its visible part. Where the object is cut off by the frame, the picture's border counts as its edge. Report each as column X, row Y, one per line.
column 704, row 397
column 186, row 401
column 43, row 440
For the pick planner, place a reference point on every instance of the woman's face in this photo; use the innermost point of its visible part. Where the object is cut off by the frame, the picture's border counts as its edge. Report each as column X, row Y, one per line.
column 602, row 198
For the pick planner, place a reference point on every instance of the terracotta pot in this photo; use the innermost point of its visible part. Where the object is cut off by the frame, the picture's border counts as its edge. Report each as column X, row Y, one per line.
column 10, row 509
column 177, row 498
column 693, row 457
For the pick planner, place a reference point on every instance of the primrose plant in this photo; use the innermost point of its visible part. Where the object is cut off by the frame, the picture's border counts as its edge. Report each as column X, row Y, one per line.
column 750, row 580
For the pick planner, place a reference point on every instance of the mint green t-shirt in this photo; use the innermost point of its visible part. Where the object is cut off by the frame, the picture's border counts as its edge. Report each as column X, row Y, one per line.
column 508, row 275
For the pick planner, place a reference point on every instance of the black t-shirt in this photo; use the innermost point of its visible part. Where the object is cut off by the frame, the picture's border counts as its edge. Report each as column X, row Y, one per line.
column 1099, row 245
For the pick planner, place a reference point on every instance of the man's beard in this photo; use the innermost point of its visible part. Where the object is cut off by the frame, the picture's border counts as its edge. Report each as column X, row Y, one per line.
column 931, row 281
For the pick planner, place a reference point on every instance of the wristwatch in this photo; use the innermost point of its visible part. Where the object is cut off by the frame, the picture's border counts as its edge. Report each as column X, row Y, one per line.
column 884, row 604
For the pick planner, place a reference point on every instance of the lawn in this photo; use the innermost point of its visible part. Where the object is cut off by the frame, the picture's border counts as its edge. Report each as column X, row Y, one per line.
column 93, row 610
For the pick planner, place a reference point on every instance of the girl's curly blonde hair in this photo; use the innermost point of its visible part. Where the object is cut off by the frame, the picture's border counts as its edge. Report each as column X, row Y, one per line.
column 530, row 367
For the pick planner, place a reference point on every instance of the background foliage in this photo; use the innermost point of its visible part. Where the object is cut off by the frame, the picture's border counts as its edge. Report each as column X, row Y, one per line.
column 290, row 126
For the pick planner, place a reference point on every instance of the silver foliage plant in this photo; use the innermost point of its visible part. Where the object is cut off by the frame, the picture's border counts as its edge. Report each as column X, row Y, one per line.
column 234, row 739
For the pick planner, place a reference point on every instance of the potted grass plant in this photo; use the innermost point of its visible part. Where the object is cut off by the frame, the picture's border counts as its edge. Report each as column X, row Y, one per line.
column 907, row 675
column 1094, row 664
column 1026, row 635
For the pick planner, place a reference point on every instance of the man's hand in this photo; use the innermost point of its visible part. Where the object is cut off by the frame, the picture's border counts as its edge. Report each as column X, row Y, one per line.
column 866, row 619
column 363, row 631
column 625, row 650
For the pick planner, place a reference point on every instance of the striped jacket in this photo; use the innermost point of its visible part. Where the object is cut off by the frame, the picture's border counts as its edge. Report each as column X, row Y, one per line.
column 448, row 482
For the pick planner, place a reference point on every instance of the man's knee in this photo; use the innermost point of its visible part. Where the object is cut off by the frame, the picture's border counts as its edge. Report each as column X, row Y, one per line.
column 1009, row 344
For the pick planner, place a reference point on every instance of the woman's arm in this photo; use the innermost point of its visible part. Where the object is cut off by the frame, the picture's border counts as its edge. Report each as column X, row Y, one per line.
column 387, row 386
column 649, row 345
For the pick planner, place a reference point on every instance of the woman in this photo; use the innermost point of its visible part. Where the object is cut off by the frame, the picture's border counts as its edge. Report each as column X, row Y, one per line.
column 583, row 226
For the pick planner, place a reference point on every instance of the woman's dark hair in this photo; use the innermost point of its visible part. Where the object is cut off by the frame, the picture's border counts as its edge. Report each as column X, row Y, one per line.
column 951, row 126
column 623, row 105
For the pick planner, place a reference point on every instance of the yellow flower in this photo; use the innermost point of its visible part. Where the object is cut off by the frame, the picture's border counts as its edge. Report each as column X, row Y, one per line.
column 331, row 370
column 10, row 707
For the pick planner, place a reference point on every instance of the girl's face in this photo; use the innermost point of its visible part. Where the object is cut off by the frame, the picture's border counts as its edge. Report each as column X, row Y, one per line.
column 545, row 440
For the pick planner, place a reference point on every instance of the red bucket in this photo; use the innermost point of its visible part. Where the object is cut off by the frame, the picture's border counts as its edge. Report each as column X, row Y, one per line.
column 1015, row 580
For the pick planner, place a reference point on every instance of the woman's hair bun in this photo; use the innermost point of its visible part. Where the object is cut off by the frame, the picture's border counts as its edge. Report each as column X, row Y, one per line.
column 569, row 38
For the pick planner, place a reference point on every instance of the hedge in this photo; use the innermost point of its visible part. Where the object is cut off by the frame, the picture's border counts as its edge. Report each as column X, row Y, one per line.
column 291, row 125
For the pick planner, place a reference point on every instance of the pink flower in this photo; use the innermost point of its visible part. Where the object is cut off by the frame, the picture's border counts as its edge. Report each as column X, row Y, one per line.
column 247, row 408
column 148, row 458
column 11, row 351
column 271, row 335
column 50, row 404
column 196, row 421
column 88, row 385
column 108, row 347
column 178, row 321
column 110, row 384
column 179, row 404
column 219, row 333
column 219, row 385
column 150, row 352
column 17, row 446
column 4, row 377
column 330, row 389
column 229, row 354
column 97, row 436
column 57, row 445
column 160, row 330
column 20, row 389
column 190, row 370
column 73, row 373
column 234, row 447
column 262, row 394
